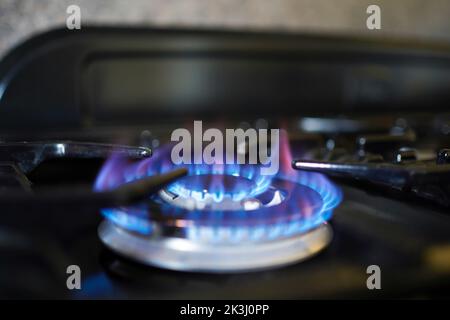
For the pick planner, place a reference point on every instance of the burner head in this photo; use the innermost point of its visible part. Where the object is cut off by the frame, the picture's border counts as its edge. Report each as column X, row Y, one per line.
column 220, row 192
column 223, row 218
column 205, row 190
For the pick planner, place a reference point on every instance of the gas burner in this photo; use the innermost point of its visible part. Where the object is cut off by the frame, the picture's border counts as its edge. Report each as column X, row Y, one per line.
column 219, row 218
column 220, row 192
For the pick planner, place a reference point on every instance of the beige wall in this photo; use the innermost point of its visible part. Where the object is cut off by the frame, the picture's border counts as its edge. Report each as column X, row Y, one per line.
column 407, row 18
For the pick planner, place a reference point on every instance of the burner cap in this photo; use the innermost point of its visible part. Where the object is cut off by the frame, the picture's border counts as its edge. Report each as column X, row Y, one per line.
column 219, row 192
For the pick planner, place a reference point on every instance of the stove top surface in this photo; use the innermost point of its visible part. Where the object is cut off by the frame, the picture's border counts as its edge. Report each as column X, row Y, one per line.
column 402, row 233
column 362, row 185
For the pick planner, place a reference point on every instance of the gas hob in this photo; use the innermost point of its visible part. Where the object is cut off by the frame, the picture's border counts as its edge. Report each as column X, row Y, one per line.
column 87, row 179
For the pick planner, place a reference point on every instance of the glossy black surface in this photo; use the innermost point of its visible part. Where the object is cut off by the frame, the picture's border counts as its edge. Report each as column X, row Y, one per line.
column 102, row 76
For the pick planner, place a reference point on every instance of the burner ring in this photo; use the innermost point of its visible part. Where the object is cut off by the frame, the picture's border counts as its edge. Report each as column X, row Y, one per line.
column 304, row 209
column 184, row 255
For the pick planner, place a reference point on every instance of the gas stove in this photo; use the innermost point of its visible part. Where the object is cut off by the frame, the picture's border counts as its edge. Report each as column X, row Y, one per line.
column 220, row 217
column 87, row 178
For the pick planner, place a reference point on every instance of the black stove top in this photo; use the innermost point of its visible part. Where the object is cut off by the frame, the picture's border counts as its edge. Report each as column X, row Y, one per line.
column 364, row 174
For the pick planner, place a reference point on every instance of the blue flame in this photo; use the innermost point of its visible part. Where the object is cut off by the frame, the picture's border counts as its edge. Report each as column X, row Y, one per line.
column 218, row 186
column 312, row 198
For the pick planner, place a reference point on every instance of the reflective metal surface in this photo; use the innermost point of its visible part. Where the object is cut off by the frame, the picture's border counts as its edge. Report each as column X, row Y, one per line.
column 28, row 155
column 426, row 179
column 185, row 255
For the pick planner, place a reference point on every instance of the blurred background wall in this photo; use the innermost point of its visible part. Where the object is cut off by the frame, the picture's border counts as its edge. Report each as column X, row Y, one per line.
column 417, row 19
